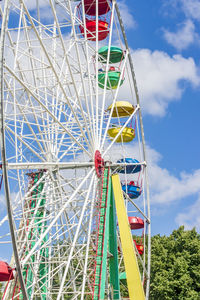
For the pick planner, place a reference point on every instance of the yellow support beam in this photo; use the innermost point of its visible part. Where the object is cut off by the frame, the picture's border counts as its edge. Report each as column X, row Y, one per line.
column 135, row 288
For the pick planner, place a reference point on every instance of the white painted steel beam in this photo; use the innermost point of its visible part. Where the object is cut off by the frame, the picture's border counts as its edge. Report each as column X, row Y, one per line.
column 63, row 165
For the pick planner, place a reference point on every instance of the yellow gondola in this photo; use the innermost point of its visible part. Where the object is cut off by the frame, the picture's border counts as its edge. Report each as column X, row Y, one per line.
column 121, row 109
column 126, row 136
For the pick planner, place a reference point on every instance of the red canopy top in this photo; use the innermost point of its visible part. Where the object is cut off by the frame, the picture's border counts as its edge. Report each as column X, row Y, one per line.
column 136, row 222
column 90, row 7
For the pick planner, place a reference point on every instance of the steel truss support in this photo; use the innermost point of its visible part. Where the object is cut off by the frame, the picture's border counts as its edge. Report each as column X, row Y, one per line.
column 107, row 240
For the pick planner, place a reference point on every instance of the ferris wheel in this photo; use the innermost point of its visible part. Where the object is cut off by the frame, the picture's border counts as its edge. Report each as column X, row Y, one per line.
column 76, row 224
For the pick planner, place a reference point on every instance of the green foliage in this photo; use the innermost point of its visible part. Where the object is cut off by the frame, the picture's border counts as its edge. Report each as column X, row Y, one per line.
column 175, row 271
column 1, row 290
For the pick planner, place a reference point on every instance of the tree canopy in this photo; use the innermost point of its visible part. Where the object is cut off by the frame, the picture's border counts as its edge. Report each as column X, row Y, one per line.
column 175, row 271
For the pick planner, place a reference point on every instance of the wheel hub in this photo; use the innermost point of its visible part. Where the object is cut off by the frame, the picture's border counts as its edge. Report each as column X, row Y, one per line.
column 99, row 163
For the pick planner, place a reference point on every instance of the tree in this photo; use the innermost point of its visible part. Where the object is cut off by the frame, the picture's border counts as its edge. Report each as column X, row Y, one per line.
column 175, row 271
column 1, row 292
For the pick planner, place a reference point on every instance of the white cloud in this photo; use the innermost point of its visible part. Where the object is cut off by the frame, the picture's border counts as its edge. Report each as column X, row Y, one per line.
column 191, row 216
column 33, row 4
column 186, row 33
column 191, row 8
column 126, row 15
column 183, row 37
column 158, row 77
column 14, row 196
column 166, row 187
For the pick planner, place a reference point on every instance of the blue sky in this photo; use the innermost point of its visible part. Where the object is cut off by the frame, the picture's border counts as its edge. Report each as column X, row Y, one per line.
column 165, row 43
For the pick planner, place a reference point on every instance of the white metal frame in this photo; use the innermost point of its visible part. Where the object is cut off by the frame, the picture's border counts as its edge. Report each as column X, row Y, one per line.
column 53, row 121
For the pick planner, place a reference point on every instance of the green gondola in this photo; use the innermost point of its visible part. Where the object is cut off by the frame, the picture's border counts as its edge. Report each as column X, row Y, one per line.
column 122, row 276
column 112, row 81
column 116, row 54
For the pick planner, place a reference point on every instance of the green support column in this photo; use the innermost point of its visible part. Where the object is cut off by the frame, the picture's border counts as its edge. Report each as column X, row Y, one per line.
column 107, row 241
column 113, row 250
column 101, row 255
column 105, row 248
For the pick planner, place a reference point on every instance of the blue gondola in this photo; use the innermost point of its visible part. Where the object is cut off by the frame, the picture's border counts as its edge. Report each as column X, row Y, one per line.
column 129, row 169
column 133, row 191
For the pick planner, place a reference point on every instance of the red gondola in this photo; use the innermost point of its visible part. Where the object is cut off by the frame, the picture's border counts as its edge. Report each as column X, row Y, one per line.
column 91, row 30
column 140, row 247
column 6, row 272
column 136, row 223
column 90, row 7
